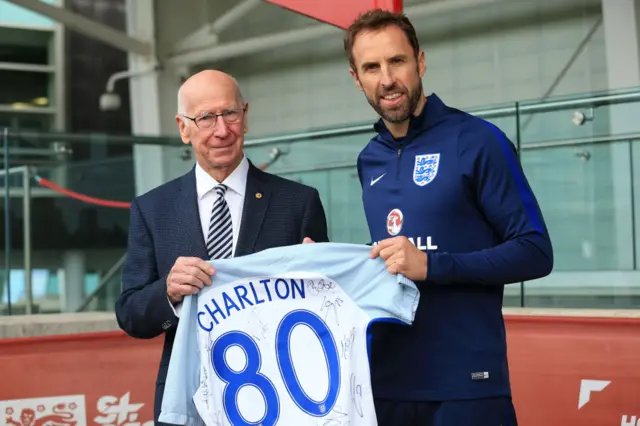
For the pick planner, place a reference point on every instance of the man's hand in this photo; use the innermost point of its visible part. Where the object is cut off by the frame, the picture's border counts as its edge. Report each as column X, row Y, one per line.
column 307, row 240
column 402, row 257
column 187, row 276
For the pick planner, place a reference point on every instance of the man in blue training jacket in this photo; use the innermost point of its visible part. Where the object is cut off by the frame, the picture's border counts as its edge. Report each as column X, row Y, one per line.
column 448, row 206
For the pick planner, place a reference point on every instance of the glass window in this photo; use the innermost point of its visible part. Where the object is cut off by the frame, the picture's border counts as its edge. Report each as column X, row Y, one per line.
column 25, row 46
column 26, row 121
column 20, row 88
column 16, row 15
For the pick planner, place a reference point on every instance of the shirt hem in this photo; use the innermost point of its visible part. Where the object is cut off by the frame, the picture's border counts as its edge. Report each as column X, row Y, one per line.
column 439, row 395
column 180, row 419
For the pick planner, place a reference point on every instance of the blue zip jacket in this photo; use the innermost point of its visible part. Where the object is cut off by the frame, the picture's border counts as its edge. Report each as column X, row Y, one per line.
column 455, row 188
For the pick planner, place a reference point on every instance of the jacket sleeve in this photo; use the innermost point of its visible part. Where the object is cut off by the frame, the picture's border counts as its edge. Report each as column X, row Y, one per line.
column 489, row 162
column 314, row 223
column 142, row 309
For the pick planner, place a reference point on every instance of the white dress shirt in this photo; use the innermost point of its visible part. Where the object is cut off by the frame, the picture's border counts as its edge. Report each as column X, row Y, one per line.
column 236, row 184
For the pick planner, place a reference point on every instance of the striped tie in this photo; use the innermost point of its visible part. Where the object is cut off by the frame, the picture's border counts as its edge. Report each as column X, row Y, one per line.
column 220, row 239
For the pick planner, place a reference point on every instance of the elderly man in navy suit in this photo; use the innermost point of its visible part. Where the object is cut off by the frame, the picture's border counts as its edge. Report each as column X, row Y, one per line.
column 224, row 207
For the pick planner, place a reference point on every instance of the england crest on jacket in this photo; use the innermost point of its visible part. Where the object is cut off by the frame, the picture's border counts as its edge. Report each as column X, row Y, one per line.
column 426, row 168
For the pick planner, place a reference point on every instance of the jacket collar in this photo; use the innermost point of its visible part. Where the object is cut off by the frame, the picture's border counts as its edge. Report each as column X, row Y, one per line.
column 257, row 195
column 432, row 113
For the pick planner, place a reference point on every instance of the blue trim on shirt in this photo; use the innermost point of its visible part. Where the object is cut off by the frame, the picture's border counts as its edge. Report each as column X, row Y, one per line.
column 518, row 176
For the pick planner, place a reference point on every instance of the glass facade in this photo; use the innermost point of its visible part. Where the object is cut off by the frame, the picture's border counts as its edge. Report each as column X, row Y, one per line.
column 30, row 71
column 582, row 166
column 10, row 14
column 580, row 154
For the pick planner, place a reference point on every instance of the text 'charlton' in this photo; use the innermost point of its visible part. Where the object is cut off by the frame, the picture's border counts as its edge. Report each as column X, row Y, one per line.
column 244, row 295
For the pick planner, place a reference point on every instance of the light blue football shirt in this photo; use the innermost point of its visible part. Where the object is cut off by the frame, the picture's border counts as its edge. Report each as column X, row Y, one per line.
column 281, row 338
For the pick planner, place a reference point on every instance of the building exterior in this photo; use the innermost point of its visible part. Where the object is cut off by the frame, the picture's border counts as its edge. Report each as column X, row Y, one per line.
column 31, row 72
column 561, row 78
column 51, row 79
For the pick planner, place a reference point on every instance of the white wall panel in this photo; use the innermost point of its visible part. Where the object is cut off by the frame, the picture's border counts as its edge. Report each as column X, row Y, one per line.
column 507, row 52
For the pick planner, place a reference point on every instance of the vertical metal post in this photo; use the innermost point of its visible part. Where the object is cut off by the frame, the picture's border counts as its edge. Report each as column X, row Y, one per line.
column 7, row 221
column 633, row 207
column 519, row 152
column 26, row 228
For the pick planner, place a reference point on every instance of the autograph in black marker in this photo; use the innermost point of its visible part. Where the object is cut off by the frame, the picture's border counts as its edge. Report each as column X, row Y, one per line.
column 321, row 285
column 331, row 306
column 356, row 395
column 346, row 345
column 335, row 418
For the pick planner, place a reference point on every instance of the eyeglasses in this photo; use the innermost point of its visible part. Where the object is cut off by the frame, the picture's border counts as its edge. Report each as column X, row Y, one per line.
column 209, row 120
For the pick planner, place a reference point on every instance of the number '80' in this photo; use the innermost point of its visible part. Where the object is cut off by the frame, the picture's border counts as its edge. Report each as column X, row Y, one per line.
column 251, row 375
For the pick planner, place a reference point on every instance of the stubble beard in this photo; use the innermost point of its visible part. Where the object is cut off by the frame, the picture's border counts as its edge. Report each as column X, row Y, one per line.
column 401, row 113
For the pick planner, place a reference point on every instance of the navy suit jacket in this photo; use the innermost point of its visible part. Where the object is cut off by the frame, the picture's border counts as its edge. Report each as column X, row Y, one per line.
column 165, row 225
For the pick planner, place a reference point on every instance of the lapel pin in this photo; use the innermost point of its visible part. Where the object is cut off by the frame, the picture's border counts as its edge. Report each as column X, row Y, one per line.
column 258, row 195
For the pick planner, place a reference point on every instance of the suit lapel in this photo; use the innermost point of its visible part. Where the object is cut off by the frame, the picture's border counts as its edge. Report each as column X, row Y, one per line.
column 188, row 218
column 256, row 202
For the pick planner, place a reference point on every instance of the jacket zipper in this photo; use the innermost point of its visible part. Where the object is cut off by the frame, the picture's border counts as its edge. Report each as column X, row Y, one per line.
column 399, row 153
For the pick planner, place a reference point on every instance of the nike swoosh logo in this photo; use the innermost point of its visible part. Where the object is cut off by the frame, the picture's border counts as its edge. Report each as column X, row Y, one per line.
column 374, row 181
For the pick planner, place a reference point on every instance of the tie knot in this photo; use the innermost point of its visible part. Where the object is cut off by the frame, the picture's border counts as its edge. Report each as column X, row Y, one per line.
column 221, row 189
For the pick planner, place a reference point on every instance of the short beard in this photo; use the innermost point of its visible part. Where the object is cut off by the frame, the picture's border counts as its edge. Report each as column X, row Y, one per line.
column 401, row 116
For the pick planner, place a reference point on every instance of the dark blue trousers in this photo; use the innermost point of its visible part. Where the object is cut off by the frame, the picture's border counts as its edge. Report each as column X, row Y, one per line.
column 475, row 412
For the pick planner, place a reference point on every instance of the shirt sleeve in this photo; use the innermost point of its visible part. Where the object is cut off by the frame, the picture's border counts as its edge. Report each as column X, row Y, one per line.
column 183, row 375
column 383, row 296
column 176, row 308
column 489, row 162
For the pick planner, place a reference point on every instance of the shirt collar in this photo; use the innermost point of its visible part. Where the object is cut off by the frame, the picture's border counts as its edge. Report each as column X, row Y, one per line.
column 434, row 111
column 236, row 181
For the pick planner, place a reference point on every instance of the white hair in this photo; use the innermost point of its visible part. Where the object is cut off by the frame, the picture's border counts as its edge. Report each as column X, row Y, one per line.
column 181, row 110
column 181, row 100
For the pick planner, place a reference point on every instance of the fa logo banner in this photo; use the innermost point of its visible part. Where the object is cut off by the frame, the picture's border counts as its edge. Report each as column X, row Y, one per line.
column 425, row 169
column 66, row 410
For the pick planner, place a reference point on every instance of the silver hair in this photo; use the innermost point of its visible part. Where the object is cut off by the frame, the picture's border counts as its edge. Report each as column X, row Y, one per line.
column 181, row 102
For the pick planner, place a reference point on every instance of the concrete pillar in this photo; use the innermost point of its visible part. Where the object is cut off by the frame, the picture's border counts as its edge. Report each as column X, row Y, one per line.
column 72, row 292
column 621, row 37
column 153, row 106
column 622, row 33
column 145, row 107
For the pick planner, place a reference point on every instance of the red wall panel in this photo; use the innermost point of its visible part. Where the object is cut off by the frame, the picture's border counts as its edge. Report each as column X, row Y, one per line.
column 109, row 378
column 335, row 12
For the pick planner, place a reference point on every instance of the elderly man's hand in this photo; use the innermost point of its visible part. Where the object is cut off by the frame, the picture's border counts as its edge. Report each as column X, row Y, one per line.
column 188, row 276
column 402, row 257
